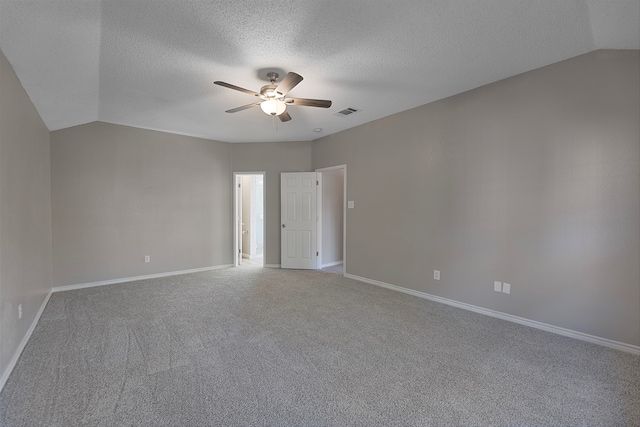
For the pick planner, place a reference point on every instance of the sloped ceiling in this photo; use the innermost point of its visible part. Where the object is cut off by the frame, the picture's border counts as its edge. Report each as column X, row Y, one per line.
column 152, row 63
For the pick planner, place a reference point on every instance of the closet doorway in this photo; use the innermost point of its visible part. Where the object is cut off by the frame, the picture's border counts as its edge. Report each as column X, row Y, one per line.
column 332, row 218
column 249, row 215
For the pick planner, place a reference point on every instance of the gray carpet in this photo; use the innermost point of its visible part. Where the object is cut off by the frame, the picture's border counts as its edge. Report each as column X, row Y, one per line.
column 335, row 269
column 252, row 346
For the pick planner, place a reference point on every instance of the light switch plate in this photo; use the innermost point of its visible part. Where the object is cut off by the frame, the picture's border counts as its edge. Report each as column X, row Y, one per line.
column 436, row 274
column 350, row 204
column 506, row 288
column 497, row 286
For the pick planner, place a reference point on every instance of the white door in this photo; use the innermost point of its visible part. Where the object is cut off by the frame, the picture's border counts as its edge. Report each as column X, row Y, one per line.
column 298, row 220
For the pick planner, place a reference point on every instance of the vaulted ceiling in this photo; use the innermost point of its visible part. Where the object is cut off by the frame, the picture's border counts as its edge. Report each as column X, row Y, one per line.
column 152, row 63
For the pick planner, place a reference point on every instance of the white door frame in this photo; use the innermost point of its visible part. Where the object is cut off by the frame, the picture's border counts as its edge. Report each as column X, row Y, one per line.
column 235, row 215
column 344, row 215
column 239, row 217
column 319, row 202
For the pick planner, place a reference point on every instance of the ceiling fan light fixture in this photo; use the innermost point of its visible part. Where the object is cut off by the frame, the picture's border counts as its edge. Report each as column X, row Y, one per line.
column 273, row 107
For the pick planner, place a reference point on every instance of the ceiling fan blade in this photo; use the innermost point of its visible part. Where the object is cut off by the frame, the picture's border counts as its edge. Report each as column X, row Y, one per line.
column 234, row 87
column 322, row 103
column 244, row 107
column 284, row 117
column 289, row 82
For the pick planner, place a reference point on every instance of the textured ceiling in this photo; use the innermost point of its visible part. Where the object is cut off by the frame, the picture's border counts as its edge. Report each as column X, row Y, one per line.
column 152, row 63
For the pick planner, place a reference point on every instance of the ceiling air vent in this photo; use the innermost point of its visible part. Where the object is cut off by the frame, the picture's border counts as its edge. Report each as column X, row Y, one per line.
column 346, row 112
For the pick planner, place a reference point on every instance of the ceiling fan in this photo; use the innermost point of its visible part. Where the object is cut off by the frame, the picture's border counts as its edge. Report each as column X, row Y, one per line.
column 273, row 97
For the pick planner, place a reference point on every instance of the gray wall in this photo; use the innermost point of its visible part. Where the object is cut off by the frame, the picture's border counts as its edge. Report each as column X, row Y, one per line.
column 25, row 213
column 272, row 158
column 533, row 180
column 120, row 193
column 332, row 215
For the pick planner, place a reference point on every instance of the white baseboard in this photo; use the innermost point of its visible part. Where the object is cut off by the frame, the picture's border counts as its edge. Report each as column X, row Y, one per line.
column 132, row 279
column 331, row 264
column 504, row 316
column 23, row 343
column 272, row 265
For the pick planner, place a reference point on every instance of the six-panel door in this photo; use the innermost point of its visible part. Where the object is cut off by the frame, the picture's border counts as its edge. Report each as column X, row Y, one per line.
column 298, row 220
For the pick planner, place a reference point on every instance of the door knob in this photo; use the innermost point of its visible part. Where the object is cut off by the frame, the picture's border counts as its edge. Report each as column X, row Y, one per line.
column 283, row 226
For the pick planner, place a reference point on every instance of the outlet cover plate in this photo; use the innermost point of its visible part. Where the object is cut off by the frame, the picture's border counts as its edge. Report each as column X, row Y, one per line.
column 497, row 286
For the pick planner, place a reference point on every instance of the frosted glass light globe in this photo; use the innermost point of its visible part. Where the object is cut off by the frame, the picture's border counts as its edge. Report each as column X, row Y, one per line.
column 273, row 107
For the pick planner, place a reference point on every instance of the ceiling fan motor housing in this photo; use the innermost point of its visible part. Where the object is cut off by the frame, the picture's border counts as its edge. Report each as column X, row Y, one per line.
column 269, row 91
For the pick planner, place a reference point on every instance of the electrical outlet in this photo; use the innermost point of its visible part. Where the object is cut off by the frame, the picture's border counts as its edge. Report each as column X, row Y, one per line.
column 497, row 286
column 436, row 274
column 147, row 258
column 506, row 288
column 19, row 311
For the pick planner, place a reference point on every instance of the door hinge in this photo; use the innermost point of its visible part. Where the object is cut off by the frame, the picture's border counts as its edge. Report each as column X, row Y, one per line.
column 317, row 183
column 317, row 253
column 239, row 185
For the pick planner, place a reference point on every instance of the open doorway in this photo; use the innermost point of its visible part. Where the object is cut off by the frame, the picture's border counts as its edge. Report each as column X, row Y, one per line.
column 331, row 197
column 249, row 215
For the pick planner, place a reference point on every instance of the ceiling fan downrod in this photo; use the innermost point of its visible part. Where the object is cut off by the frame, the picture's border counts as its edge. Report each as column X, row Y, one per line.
column 273, row 76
